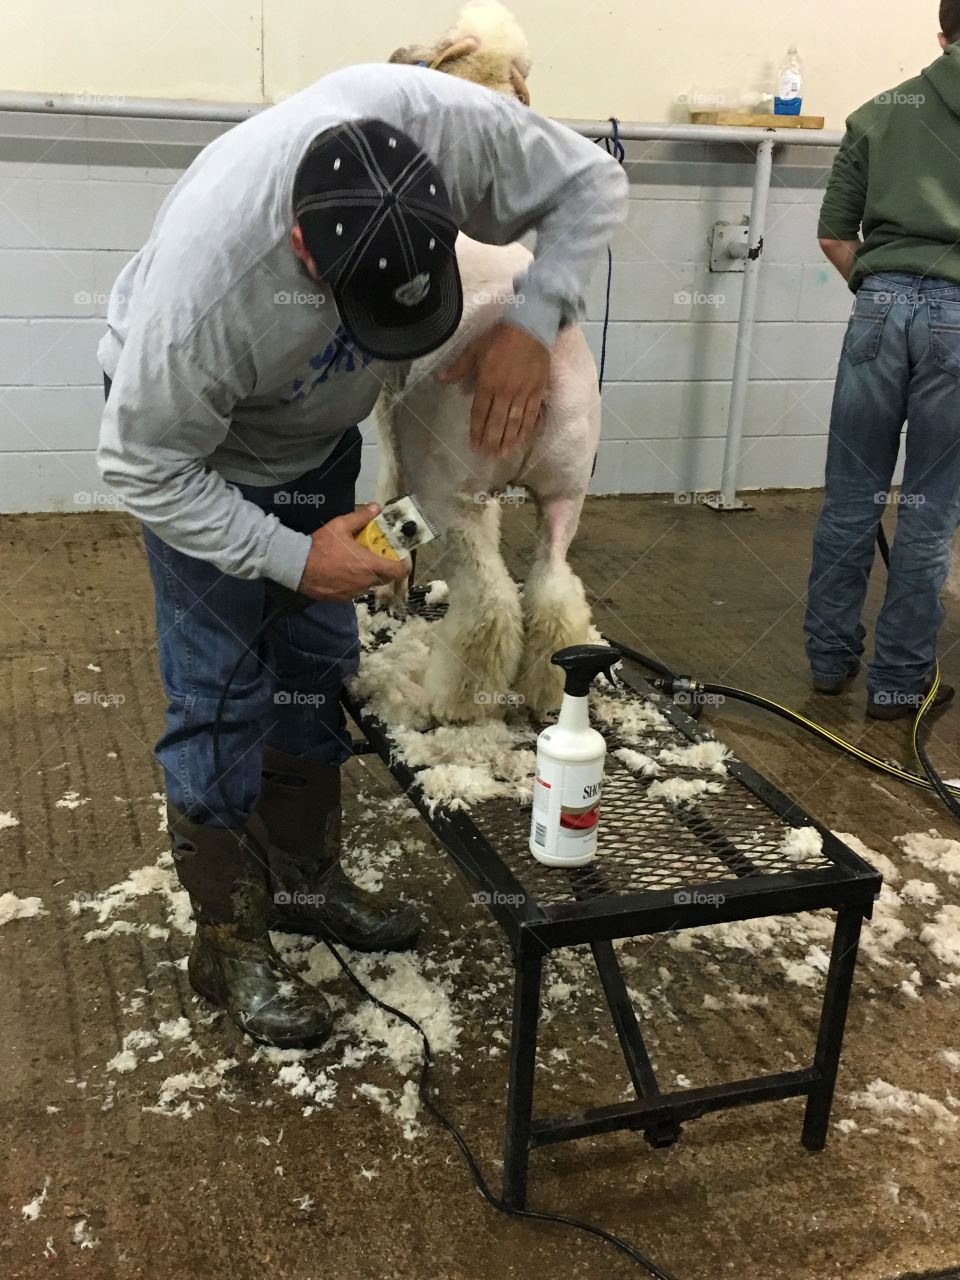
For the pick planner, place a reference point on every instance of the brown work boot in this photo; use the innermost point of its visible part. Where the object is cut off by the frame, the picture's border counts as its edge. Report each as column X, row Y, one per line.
column 233, row 961
column 311, row 893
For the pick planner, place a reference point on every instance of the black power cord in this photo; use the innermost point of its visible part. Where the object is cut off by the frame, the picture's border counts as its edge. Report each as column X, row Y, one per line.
column 287, row 602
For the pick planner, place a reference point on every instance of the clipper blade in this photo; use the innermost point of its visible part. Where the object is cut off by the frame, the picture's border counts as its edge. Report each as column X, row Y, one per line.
column 400, row 528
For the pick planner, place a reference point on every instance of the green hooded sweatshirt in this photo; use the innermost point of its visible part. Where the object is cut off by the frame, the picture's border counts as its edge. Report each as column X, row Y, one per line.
column 897, row 176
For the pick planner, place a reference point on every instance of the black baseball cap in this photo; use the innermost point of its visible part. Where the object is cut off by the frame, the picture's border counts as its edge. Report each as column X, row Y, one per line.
column 376, row 219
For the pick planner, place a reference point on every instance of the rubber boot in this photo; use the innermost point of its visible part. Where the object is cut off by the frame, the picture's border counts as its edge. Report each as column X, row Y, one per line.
column 312, row 894
column 232, row 961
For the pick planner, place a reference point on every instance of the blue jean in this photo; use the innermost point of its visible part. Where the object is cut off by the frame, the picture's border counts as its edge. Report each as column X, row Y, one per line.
column 900, row 361
column 291, row 699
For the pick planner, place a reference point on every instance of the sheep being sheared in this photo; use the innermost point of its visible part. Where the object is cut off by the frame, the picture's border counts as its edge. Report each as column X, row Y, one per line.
column 492, row 642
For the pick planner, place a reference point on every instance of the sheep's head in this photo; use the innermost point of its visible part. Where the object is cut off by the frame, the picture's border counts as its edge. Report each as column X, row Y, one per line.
column 485, row 45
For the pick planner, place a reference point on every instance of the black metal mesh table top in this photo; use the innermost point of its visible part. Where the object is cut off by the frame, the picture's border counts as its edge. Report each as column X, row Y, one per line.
column 729, row 835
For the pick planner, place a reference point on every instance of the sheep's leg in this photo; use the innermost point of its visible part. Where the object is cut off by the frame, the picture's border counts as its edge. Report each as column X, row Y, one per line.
column 476, row 646
column 390, row 484
column 555, row 610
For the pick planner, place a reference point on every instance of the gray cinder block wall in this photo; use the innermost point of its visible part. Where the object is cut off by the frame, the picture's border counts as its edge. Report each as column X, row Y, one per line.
column 78, row 195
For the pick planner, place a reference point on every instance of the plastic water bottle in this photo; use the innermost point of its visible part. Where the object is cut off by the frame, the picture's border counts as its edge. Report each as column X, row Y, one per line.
column 789, row 97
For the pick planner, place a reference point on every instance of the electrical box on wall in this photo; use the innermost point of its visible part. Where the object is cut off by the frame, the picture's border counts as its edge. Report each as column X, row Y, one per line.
column 730, row 246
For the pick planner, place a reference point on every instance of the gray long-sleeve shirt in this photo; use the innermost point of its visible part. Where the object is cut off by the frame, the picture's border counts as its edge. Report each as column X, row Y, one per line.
column 223, row 352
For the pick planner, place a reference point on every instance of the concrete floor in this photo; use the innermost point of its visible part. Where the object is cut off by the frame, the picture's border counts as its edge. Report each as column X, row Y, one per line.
column 221, row 1194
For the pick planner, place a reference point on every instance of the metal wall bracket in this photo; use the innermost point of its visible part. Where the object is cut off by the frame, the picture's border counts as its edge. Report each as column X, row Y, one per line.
column 730, row 247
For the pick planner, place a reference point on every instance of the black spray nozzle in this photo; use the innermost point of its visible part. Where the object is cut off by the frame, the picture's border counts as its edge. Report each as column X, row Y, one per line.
column 583, row 663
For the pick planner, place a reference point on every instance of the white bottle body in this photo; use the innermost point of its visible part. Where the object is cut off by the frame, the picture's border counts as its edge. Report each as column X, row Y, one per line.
column 567, row 790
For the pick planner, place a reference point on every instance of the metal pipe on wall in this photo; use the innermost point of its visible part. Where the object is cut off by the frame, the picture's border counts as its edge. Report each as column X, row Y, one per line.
column 726, row 499
column 91, row 104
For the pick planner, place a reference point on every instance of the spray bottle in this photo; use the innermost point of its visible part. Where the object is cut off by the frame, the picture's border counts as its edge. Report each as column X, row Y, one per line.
column 570, row 758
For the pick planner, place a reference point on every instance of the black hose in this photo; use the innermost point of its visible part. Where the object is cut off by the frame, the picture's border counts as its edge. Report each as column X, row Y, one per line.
column 694, row 692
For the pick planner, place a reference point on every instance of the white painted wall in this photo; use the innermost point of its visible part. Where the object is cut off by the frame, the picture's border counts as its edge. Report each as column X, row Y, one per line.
column 77, row 197
column 591, row 59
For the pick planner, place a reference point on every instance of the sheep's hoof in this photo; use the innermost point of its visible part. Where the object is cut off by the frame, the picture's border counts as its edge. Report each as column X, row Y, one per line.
column 541, row 689
column 391, row 598
column 463, row 707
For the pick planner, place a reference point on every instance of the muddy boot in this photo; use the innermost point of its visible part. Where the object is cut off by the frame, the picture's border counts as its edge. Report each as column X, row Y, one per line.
column 232, row 961
column 300, row 804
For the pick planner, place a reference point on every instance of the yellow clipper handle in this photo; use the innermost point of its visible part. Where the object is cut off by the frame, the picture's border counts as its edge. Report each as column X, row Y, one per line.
column 374, row 539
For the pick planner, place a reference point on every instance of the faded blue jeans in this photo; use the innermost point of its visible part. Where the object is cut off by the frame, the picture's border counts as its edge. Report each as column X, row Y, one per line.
column 900, row 361
column 292, row 700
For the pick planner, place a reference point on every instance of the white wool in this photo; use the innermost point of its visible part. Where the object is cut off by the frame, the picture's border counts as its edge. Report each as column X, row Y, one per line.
column 887, row 868
column 639, row 763
column 495, row 27
column 934, row 852
column 951, row 1058
column 746, row 1001
column 189, row 1083
column 436, row 593
column 699, row 755
column 403, row 1106
column 802, row 844
column 920, row 893
column 83, row 1236
column 155, row 878
column 295, row 1078
column 942, row 936
column 14, row 908
column 141, row 1039
column 800, row 973
column 801, row 942
column 808, row 972
column 458, row 786
column 459, row 765
column 30, row 1212
column 632, row 717
column 176, row 1029
column 884, row 933
column 390, row 682
column 133, row 1043
column 478, row 744
column 8, row 820
column 846, row 1126
column 126, row 927
column 144, row 880
column 406, row 987
column 681, row 790
column 126, row 1060
column 895, row 1107
column 71, row 800
column 467, row 764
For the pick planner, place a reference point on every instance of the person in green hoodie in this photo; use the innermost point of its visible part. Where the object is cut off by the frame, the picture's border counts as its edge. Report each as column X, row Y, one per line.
column 890, row 224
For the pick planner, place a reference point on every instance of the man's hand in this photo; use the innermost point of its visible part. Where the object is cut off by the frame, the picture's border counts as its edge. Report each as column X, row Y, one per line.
column 509, row 368
column 338, row 569
column 843, row 255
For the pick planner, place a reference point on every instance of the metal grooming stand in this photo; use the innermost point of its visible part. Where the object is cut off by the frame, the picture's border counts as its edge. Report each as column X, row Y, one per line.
column 661, row 868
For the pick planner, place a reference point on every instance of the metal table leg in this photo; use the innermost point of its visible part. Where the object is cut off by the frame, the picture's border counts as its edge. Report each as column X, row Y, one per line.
column 528, row 964
column 631, row 1038
column 836, row 1002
